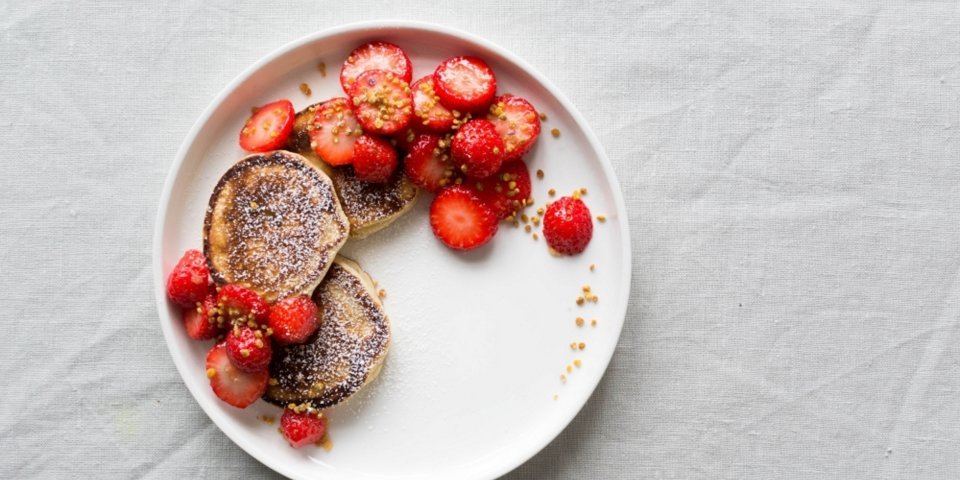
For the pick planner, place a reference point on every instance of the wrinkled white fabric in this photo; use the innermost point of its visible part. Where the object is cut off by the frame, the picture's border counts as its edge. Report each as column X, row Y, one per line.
column 791, row 174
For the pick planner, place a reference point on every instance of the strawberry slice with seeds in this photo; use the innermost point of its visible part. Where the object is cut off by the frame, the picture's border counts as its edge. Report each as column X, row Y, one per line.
column 518, row 124
column 466, row 84
column 382, row 102
column 198, row 321
column 477, row 148
column 429, row 114
column 460, row 219
column 240, row 305
column 428, row 163
column 375, row 56
column 268, row 128
column 229, row 383
column 333, row 132
column 507, row 191
column 374, row 159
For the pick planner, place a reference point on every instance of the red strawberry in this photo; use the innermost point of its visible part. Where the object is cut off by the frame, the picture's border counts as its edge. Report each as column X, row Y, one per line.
column 430, row 115
column 374, row 159
column 428, row 164
column 294, row 319
column 189, row 282
column 518, row 124
column 507, row 191
column 375, row 56
column 268, row 128
column 234, row 386
column 302, row 428
column 403, row 139
column 477, row 148
column 248, row 349
column 567, row 226
column 333, row 131
column 460, row 219
column 198, row 321
column 466, row 84
column 382, row 102
column 241, row 305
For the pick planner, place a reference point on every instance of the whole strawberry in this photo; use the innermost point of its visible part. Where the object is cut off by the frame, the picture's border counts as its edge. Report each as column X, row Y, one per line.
column 249, row 349
column 189, row 282
column 478, row 149
column 294, row 319
column 240, row 305
column 302, row 428
column 567, row 226
column 374, row 159
column 199, row 320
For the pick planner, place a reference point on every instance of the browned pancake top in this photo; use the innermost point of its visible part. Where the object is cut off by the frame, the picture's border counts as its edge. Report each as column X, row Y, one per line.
column 366, row 203
column 335, row 363
column 268, row 225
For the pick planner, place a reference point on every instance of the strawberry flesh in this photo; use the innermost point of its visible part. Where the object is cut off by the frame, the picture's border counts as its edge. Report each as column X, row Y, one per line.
column 375, row 56
column 333, row 132
column 374, row 159
column 268, row 128
column 507, row 191
column 232, row 385
column 428, row 164
column 466, row 84
column 460, row 219
column 477, row 148
column 430, row 115
column 382, row 102
column 518, row 124
column 302, row 428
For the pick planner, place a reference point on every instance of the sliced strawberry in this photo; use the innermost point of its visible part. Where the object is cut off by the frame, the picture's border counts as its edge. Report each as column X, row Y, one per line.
column 507, row 191
column 302, row 428
column 466, row 84
column 294, row 319
column 428, row 164
column 334, row 131
column 240, row 306
column 189, row 281
column 518, row 124
column 232, row 385
column 460, row 219
column 567, row 226
column 268, row 128
column 382, row 102
column 374, row 159
column 375, row 56
column 430, row 115
column 249, row 349
column 199, row 322
column 477, row 148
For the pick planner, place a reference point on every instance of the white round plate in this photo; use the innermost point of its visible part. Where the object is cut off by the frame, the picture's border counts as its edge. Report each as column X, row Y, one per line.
column 472, row 385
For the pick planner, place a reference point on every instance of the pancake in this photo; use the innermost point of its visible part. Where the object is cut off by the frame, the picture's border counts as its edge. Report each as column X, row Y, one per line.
column 273, row 225
column 345, row 354
column 370, row 207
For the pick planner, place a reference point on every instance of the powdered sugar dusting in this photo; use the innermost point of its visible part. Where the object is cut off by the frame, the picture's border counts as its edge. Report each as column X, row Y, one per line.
column 366, row 203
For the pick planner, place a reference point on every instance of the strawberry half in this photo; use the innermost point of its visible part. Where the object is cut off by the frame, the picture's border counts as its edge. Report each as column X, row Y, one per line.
column 518, row 124
column 374, row 159
column 466, row 84
column 428, row 164
column 232, row 385
column 268, row 128
column 567, row 226
column 382, row 102
column 294, row 319
column 302, row 428
column 333, row 132
column 240, row 306
column 375, row 56
column 430, row 115
column 507, row 191
column 460, row 219
column 189, row 281
column 477, row 148
column 198, row 321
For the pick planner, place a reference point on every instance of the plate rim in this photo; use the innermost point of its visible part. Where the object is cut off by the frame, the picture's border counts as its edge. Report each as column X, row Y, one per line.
column 519, row 456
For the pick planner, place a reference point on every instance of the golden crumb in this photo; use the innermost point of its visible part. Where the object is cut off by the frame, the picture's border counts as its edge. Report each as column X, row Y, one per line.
column 272, row 382
column 551, row 192
column 527, row 228
column 543, row 117
column 555, row 132
column 579, row 321
column 581, row 345
column 580, row 300
column 563, row 378
column 583, row 190
column 601, row 218
column 266, row 419
column 593, row 323
column 540, row 211
column 593, row 266
column 569, row 368
column 573, row 345
column 555, row 396
column 577, row 363
column 305, row 89
column 211, row 373
column 539, row 173
column 382, row 294
column 576, row 195
column 536, row 237
column 323, row 69
column 254, row 110
column 586, row 288
column 594, row 299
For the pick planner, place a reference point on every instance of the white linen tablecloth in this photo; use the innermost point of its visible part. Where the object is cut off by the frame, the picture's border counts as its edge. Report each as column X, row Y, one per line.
column 792, row 175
